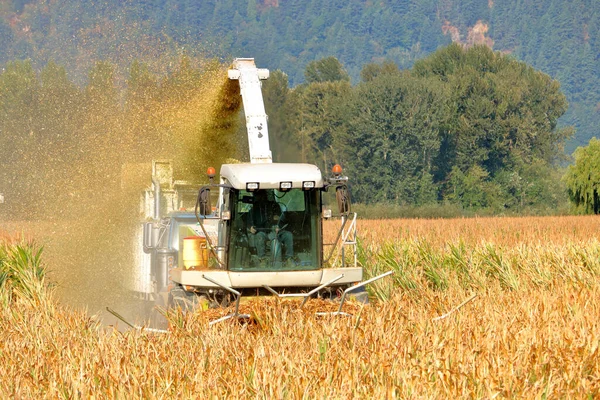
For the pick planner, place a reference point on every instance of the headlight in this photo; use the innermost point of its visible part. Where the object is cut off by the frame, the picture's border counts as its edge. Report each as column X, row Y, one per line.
column 252, row 186
column 306, row 185
column 284, row 186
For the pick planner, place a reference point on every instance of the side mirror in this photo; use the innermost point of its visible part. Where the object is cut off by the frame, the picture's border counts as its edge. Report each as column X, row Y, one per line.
column 342, row 196
column 204, row 201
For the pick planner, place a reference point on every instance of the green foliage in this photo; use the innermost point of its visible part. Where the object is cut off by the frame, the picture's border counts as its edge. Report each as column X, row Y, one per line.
column 470, row 127
column 434, row 210
column 532, row 186
column 391, row 139
column 471, row 189
column 503, row 111
column 101, row 89
column 277, row 98
column 318, row 117
column 371, row 71
column 583, row 178
column 467, row 126
column 325, row 70
column 21, row 271
column 37, row 112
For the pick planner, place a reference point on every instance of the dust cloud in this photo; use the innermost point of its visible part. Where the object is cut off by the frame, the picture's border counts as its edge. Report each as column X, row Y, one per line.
column 79, row 196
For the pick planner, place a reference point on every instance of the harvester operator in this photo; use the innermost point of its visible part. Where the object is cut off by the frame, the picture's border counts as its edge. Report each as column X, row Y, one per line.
column 266, row 219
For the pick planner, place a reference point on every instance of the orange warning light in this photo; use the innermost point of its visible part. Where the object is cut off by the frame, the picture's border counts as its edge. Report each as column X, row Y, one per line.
column 337, row 170
column 211, row 172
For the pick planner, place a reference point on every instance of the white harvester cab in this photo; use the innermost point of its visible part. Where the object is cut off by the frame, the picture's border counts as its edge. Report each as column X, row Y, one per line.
column 192, row 250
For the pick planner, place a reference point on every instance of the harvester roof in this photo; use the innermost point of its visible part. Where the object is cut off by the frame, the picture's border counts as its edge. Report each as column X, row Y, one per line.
column 270, row 175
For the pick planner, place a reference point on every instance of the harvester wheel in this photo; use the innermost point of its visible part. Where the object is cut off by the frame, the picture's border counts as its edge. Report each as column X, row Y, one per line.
column 157, row 318
column 180, row 298
column 360, row 295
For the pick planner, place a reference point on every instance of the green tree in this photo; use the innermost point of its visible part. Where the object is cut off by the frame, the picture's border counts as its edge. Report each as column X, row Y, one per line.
column 328, row 69
column 583, row 178
column 101, row 90
column 251, row 10
column 392, row 138
column 500, row 112
column 472, row 189
column 373, row 70
column 182, row 83
column 284, row 141
column 318, row 118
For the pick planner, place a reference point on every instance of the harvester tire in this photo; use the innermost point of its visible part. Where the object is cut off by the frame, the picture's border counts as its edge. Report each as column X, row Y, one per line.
column 157, row 317
column 359, row 295
column 182, row 299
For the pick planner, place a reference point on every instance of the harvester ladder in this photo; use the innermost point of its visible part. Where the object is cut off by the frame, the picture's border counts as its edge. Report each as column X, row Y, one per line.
column 348, row 240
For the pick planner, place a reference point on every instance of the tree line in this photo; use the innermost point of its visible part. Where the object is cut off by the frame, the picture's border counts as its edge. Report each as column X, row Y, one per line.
column 470, row 127
column 465, row 126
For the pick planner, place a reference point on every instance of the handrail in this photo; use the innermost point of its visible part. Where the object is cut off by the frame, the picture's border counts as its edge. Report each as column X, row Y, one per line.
column 350, row 230
column 235, row 314
column 351, row 288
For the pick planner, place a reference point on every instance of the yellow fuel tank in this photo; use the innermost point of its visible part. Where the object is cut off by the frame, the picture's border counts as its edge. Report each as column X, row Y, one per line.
column 195, row 252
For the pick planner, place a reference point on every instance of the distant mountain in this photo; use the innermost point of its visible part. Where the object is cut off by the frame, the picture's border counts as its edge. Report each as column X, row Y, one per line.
column 561, row 38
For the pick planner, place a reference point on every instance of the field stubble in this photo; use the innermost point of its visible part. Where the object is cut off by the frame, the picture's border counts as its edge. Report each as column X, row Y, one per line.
column 532, row 331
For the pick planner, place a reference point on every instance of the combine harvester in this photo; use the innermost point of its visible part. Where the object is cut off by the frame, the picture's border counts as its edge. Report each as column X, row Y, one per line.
column 213, row 256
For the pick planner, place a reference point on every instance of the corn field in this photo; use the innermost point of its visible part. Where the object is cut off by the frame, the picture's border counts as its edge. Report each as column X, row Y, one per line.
column 530, row 328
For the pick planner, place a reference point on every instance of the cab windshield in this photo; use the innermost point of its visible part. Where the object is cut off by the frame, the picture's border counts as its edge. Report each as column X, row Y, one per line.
column 274, row 230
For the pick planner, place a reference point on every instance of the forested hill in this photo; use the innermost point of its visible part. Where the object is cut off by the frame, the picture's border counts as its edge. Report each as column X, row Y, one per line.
column 560, row 38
